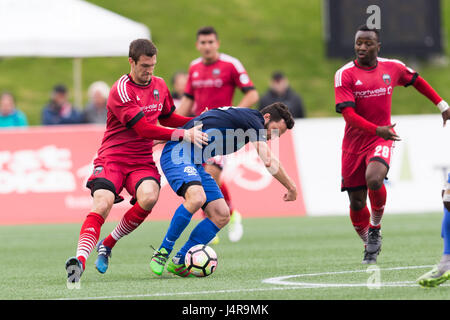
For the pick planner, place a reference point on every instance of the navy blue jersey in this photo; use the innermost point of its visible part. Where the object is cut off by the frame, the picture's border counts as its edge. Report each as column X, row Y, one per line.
column 228, row 129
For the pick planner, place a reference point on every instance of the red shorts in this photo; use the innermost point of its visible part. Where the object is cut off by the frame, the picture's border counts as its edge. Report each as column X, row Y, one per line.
column 354, row 165
column 114, row 176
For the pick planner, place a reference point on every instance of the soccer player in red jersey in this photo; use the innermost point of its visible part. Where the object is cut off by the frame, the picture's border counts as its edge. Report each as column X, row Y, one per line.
column 212, row 81
column 363, row 91
column 136, row 102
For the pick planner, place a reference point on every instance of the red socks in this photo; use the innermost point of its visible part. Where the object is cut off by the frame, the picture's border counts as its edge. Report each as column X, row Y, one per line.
column 90, row 230
column 89, row 234
column 129, row 222
column 360, row 220
column 377, row 202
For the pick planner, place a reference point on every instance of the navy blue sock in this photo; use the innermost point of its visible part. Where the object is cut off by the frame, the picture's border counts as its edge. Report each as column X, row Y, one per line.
column 179, row 222
column 203, row 233
column 446, row 231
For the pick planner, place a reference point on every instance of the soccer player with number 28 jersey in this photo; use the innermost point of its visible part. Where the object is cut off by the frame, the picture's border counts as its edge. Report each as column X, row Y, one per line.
column 136, row 102
column 363, row 91
column 212, row 81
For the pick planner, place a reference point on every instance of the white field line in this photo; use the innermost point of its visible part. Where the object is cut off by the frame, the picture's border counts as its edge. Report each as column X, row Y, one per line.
column 274, row 281
column 282, row 280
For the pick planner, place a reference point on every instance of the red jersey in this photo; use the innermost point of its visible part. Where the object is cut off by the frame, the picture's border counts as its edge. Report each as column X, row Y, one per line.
column 369, row 92
column 128, row 102
column 212, row 85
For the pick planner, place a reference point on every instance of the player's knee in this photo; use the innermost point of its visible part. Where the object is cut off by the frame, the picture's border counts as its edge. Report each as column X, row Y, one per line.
column 357, row 204
column 195, row 199
column 103, row 202
column 374, row 183
column 221, row 217
column 102, row 207
column 147, row 200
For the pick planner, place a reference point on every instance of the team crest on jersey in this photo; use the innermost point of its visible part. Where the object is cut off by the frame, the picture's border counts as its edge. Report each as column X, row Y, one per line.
column 191, row 171
column 387, row 79
column 216, row 72
column 156, row 94
column 244, row 79
column 97, row 170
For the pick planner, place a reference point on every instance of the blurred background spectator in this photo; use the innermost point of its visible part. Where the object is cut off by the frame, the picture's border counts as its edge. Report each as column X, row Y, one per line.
column 95, row 111
column 10, row 116
column 179, row 80
column 59, row 110
column 280, row 91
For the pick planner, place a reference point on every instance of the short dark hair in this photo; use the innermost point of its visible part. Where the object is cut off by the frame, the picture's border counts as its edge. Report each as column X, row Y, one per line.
column 364, row 27
column 60, row 88
column 278, row 111
column 207, row 30
column 141, row 47
column 277, row 76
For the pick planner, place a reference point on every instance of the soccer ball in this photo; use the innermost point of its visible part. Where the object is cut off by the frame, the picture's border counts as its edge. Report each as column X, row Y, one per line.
column 201, row 260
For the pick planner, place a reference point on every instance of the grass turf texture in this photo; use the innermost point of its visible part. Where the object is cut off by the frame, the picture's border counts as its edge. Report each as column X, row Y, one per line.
column 265, row 35
column 33, row 259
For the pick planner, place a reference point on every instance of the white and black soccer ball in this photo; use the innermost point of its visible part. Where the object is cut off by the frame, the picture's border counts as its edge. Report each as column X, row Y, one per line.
column 201, row 260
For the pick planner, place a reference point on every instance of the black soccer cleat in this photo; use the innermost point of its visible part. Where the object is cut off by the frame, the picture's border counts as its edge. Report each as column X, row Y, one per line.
column 373, row 247
column 74, row 269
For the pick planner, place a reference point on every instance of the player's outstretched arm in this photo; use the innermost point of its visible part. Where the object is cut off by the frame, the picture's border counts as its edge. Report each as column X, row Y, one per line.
column 193, row 135
column 356, row 121
column 174, row 120
column 275, row 168
column 185, row 107
column 424, row 88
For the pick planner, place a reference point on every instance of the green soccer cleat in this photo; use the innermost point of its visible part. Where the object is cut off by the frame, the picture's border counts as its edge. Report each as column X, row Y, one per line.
column 158, row 261
column 214, row 241
column 434, row 277
column 235, row 227
column 179, row 270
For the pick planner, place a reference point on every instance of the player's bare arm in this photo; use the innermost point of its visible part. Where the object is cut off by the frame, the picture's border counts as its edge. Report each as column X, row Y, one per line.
column 249, row 99
column 275, row 168
column 186, row 106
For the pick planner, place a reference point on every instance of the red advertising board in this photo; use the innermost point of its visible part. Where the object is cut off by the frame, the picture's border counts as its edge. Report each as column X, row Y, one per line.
column 43, row 172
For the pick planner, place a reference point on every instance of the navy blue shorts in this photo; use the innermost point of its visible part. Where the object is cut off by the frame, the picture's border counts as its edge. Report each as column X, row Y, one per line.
column 181, row 172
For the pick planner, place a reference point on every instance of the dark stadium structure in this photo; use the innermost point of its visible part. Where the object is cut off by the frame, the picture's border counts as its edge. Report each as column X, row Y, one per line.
column 409, row 28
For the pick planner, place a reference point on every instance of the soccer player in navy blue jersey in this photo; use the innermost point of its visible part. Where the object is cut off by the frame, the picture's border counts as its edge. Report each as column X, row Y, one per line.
column 228, row 129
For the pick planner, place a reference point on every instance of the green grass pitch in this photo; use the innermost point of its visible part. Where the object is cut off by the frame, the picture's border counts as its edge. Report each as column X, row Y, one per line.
column 313, row 250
